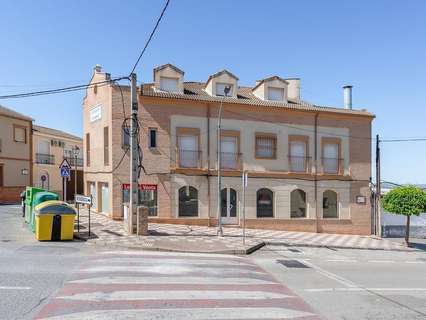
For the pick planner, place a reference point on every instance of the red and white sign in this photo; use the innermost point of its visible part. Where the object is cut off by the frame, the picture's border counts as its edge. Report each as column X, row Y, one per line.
column 142, row 186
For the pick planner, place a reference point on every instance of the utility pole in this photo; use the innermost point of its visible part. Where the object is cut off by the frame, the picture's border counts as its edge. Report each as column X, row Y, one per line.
column 134, row 192
column 378, row 189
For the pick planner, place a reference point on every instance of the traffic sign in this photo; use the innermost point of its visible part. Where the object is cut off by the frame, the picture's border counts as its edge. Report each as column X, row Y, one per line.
column 65, row 172
column 65, row 169
column 65, row 163
column 79, row 198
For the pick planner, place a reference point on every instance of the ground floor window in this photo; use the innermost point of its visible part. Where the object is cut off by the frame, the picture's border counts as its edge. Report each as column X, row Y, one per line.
column 188, row 202
column 329, row 204
column 264, row 203
column 147, row 197
column 298, row 204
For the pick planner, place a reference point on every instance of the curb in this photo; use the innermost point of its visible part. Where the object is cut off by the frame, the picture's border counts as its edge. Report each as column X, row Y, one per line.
column 287, row 244
column 246, row 251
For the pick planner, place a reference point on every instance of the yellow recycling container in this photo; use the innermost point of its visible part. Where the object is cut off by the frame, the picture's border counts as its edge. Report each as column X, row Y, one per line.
column 54, row 221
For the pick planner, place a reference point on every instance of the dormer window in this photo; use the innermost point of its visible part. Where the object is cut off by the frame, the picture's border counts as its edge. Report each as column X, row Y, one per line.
column 275, row 94
column 168, row 78
column 169, row 84
column 220, row 89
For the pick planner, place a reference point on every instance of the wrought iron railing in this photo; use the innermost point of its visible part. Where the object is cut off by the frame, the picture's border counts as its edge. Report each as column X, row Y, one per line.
column 75, row 161
column 43, row 158
column 189, row 158
column 299, row 164
column 230, row 160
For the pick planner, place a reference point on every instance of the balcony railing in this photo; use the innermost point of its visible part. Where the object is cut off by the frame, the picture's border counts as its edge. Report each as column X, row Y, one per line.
column 74, row 162
column 230, row 160
column 189, row 158
column 332, row 165
column 299, row 164
column 43, row 158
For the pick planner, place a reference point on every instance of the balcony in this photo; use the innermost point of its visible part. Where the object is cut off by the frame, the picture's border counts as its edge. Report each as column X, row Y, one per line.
column 230, row 160
column 42, row 158
column 332, row 165
column 299, row 164
column 189, row 158
column 74, row 162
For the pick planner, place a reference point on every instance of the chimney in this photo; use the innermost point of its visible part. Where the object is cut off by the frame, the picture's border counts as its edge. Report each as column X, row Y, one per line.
column 98, row 68
column 347, row 97
column 293, row 88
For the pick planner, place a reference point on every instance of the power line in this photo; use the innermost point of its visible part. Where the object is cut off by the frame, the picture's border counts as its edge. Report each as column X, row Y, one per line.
column 150, row 36
column 61, row 90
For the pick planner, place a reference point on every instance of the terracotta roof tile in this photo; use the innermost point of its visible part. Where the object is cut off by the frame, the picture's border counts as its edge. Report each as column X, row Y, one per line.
column 195, row 91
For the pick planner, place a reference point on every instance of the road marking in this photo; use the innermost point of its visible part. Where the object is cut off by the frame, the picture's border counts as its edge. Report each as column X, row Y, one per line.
column 381, row 261
column 132, row 295
column 171, row 280
column 175, row 254
column 363, row 289
column 143, row 261
column 186, row 313
column 414, row 262
column 14, row 288
column 331, row 275
column 341, row 260
column 165, row 269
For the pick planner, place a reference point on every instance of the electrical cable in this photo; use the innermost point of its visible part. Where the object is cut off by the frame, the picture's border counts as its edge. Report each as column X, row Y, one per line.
column 150, row 36
column 61, row 90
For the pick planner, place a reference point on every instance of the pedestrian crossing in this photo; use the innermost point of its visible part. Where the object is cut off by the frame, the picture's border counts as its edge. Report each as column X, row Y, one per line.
column 150, row 285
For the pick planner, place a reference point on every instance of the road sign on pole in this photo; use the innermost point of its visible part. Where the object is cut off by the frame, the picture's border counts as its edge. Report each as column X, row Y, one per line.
column 65, row 169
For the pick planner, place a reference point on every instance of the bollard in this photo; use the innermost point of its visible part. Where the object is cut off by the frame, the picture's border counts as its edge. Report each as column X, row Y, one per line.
column 142, row 221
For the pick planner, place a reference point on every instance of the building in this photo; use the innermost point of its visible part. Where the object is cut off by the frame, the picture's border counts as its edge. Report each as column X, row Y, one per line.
column 15, row 154
column 51, row 147
column 308, row 166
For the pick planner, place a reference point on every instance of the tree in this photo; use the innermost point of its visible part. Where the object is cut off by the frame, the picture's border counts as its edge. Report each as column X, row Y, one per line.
column 407, row 201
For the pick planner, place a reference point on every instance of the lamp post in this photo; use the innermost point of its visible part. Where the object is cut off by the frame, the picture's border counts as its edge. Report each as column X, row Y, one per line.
column 226, row 90
column 75, row 151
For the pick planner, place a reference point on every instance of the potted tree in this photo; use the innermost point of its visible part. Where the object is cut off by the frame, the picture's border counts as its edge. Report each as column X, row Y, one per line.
column 407, row 201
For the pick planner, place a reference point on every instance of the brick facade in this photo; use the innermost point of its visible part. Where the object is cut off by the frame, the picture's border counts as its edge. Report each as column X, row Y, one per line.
column 161, row 166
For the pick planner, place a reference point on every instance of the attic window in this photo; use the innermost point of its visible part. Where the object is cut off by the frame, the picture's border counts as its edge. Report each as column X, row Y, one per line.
column 169, row 84
column 275, row 94
column 220, row 89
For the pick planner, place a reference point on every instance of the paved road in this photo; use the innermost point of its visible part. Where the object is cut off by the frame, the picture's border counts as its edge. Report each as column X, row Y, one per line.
column 30, row 271
column 150, row 285
column 352, row 284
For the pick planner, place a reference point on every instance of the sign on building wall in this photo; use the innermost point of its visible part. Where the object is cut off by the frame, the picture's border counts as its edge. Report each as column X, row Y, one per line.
column 96, row 113
column 143, row 186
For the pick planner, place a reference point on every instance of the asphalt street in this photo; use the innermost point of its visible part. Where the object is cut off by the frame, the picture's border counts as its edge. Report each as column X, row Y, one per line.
column 31, row 271
column 351, row 284
column 74, row 280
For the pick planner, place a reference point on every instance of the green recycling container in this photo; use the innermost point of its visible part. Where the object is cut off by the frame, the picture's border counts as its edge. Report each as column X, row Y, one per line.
column 30, row 193
column 39, row 198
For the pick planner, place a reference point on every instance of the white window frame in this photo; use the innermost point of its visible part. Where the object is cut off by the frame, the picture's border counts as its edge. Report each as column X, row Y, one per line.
column 223, row 85
column 165, row 84
column 276, row 89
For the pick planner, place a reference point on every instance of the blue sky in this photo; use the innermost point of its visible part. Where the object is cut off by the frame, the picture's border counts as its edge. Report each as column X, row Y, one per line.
column 377, row 46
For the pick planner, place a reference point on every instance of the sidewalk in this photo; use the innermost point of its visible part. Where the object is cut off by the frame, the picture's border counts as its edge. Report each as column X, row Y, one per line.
column 170, row 237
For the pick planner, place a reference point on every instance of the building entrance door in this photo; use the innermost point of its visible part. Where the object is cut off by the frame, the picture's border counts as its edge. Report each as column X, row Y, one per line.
column 228, row 197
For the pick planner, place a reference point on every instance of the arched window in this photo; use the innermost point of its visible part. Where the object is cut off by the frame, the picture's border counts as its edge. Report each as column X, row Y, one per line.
column 188, row 202
column 298, row 204
column 265, row 203
column 329, row 204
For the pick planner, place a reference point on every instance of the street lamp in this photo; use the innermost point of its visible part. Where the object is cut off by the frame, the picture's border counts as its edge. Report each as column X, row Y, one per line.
column 226, row 90
column 75, row 151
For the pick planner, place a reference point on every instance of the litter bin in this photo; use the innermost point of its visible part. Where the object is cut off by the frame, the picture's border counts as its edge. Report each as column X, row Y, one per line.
column 40, row 197
column 54, row 221
column 30, row 193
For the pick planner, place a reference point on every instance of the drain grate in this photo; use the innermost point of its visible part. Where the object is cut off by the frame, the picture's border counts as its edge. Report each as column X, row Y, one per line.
column 292, row 264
